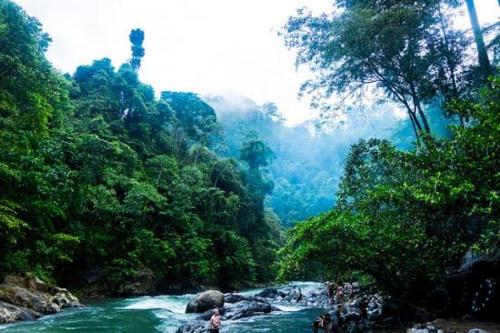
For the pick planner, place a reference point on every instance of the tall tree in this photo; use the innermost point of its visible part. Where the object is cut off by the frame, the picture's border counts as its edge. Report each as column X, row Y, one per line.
column 255, row 152
column 482, row 53
column 375, row 44
column 136, row 38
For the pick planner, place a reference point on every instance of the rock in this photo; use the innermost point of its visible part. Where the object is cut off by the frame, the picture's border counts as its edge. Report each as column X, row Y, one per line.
column 208, row 314
column 195, row 326
column 26, row 298
column 246, row 309
column 10, row 313
column 32, row 283
column 20, row 296
column 234, row 298
column 425, row 328
column 477, row 330
column 205, row 301
column 268, row 293
column 64, row 299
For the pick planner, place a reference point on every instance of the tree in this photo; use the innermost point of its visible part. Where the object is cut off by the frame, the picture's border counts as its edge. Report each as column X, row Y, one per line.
column 194, row 117
column 136, row 38
column 255, row 152
column 484, row 62
column 374, row 45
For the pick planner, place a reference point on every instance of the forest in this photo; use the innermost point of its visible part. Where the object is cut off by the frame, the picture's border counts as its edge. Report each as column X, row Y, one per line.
column 104, row 182
column 403, row 217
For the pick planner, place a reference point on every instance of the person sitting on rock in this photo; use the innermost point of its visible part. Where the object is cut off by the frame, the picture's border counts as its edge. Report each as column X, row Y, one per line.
column 328, row 286
column 340, row 294
column 348, row 287
column 215, row 322
column 331, row 287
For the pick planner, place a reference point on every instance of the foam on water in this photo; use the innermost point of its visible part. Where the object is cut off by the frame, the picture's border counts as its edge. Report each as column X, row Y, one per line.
column 175, row 304
column 290, row 308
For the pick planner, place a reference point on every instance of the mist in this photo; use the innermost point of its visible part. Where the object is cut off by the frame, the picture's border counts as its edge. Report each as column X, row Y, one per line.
column 310, row 156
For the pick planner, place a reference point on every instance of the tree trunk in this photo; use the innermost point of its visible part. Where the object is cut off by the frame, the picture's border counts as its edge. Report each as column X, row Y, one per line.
column 413, row 125
column 449, row 61
column 484, row 62
column 422, row 115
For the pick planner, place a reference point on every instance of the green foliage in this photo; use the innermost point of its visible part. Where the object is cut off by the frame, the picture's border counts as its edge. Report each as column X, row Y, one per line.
column 402, row 217
column 404, row 50
column 255, row 152
column 97, row 175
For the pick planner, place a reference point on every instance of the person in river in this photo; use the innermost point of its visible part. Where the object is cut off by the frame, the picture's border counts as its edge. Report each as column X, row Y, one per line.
column 323, row 322
column 300, row 296
column 215, row 322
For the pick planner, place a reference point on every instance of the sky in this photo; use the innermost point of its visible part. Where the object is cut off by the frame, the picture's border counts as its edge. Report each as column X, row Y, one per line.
column 205, row 46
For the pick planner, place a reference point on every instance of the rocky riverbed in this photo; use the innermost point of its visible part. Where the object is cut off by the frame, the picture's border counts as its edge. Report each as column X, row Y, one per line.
column 353, row 309
column 360, row 310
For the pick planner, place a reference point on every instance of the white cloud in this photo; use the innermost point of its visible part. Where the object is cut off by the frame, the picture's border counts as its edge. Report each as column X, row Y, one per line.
column 205, row 46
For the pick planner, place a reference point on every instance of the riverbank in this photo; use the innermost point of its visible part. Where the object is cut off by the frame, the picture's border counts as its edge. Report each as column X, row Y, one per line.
column 29, row 298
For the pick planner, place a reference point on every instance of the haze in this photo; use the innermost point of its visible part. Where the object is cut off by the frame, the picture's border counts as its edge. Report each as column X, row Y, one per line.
column 209, row 47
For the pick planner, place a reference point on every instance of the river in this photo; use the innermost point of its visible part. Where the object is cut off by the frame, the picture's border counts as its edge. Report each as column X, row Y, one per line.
column 162, row 314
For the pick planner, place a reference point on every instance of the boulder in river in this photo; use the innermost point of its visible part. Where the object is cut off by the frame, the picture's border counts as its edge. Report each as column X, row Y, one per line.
column 195, row 326
column 246, row 309
column 250, row 307
column 205, row 301
column 268, row 293
column 234, row 298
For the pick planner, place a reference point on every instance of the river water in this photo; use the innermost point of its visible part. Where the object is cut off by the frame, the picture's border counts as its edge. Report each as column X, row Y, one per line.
column 163, row 314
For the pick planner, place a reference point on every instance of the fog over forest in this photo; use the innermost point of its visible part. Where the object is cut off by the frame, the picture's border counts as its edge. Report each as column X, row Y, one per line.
column 309, row 157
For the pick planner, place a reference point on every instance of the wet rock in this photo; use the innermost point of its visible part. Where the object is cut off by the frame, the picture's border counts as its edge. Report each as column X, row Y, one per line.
column 208, row 314
column 268, row 293
column 425, row 328
column 361, row 310
column 205, row 301
column 477, row 330
column 246, row 309
column 253, row 306
column 195, row 326
column 234, row 298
